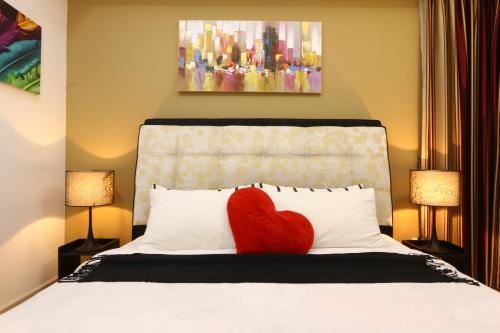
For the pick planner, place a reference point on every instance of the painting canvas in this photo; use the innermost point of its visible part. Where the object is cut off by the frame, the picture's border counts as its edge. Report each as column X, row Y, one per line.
column 20, row 49
column 249, row 56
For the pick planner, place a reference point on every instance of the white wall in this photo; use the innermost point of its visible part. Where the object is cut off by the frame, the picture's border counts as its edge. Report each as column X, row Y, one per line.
column 32, row 163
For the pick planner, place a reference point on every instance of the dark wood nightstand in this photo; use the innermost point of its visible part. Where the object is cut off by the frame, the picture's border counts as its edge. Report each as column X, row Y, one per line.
column 454, row 256
column 69, row 259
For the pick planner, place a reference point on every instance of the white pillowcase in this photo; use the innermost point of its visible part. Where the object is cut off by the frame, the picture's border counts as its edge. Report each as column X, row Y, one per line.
column 275, row 188
column 197, row 219
column 339, row 218
column 188, row 220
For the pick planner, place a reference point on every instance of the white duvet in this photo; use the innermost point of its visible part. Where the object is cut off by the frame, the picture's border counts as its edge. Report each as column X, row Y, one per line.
column 246, row 307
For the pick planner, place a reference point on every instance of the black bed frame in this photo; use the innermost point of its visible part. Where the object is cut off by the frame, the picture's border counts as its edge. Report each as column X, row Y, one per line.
column 138, row 230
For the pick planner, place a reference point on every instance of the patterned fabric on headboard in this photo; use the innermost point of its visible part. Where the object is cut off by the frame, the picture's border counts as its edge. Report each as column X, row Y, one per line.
column 201, row 156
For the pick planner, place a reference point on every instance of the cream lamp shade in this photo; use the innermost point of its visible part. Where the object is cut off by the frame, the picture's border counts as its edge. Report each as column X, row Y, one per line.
column 435, row 188
column 89, row 188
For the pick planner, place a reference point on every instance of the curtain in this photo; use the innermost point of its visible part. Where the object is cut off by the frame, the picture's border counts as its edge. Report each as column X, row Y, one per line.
column 460, row 124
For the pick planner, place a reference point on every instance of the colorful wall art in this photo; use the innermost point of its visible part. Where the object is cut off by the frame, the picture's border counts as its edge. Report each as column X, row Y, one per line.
column 20, row 49
column 249, row 56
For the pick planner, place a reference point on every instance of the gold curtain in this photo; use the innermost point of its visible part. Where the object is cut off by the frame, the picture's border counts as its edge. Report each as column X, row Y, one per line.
column 460, row 124
column 440, row 138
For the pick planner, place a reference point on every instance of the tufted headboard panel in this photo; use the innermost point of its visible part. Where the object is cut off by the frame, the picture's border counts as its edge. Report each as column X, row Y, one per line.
column 224, row 153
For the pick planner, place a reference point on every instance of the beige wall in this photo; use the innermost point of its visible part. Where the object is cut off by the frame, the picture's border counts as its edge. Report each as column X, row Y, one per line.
column 32, row 150
column 122, row 70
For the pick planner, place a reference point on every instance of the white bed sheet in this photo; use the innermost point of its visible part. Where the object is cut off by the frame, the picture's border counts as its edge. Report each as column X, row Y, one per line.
column 258, row 307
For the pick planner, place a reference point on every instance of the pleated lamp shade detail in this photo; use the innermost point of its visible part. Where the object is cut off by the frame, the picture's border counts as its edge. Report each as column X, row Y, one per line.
column 435, row 188
column 89, row 188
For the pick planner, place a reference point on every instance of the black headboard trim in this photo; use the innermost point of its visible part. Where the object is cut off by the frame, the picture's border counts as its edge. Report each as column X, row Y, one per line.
column 265, row 122
column 138, row 230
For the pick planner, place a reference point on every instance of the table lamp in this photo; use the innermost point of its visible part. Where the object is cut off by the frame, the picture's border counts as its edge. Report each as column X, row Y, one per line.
column 435, row 188
column 89, row 189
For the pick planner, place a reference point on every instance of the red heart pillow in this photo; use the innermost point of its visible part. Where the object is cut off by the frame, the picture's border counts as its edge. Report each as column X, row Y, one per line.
column 258, row 228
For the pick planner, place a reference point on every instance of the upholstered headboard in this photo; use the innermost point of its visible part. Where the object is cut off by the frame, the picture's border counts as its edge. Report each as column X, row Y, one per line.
column 224, row 153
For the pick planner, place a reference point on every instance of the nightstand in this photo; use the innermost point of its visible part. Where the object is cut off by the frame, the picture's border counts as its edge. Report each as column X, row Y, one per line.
column 454, row 256
column 69, row 259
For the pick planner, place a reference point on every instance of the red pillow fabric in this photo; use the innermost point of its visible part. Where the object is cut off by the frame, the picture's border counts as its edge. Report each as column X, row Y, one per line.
column 258, row 228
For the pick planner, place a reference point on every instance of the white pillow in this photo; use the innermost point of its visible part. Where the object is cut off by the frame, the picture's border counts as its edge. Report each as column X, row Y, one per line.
column 197, row 219
column 276, row 188
column 339, row 218
column 188, row 220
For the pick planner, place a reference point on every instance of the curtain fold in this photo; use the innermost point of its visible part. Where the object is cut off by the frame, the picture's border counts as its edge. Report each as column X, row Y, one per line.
column 460, row 126
column 440, row 139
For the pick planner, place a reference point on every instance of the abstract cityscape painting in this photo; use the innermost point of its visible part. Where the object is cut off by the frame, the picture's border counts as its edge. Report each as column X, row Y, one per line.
column 20, row 49
column 249, row 56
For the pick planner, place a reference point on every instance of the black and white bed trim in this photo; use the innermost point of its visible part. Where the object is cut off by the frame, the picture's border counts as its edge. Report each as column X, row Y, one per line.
column 369, row 267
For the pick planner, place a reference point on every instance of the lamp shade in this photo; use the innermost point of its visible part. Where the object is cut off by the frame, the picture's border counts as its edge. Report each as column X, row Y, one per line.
column 435, row 188
column 89, row 188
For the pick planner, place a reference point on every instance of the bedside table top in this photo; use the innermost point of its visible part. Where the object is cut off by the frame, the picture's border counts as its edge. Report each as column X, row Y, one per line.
column 106, row 244
column 418, row 245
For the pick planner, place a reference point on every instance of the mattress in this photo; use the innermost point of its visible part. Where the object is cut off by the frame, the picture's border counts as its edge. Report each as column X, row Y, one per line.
column 257, row 307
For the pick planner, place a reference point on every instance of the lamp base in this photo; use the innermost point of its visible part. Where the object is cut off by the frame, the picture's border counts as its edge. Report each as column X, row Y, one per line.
column 433, row 246
column 90, row 245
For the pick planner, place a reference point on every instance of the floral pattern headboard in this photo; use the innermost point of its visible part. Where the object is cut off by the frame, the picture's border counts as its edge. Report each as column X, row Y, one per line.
column 224, row 153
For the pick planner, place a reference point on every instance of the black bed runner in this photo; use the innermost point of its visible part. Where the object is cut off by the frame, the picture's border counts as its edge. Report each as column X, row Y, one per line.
column 373, row 267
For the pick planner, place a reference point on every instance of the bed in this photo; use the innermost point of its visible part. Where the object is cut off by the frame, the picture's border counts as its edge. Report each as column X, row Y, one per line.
column 191, row 154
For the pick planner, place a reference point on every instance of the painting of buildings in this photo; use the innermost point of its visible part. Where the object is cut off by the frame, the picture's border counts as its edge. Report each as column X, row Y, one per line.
column 249, row 56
